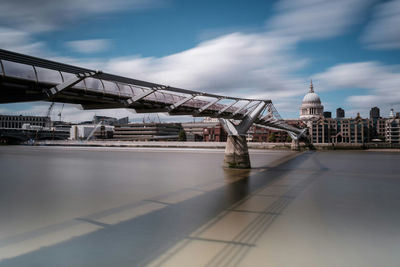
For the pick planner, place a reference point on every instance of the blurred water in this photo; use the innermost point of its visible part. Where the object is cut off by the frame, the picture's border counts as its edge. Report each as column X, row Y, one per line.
column 328, row 208
column 42, row 186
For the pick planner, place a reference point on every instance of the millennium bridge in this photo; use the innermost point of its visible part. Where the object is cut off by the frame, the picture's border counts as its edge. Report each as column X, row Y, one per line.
column 25, row 78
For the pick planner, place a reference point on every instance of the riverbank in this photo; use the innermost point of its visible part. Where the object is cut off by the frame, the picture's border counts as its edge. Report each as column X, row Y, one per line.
column 213, row 145
column 169, row 144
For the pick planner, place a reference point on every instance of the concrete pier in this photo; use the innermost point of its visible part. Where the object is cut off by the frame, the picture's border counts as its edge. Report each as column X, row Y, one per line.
column 237, row 152
column 295, row 144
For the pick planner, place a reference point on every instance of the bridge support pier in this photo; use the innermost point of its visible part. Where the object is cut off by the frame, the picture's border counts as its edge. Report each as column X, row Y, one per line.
column 295, row 144
column 236, row 151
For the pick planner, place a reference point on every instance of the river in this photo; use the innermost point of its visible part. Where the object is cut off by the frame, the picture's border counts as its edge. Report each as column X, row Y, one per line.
column 135, row 206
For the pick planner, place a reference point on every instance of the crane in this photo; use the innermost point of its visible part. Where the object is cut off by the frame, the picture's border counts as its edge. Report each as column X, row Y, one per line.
column 59, row 113
column 49, row 109
column 33, row 140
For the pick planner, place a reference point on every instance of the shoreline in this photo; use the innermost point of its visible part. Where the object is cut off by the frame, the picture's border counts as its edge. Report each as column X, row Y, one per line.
column 208, row 145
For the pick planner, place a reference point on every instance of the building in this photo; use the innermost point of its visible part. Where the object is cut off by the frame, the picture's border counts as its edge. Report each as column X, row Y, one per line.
column 392, row 129
column 147, row 131
column 311, row 107
column 327, row 114
column 374, row 113
column 210, row 130
column 110, row 120
column 263, row 134
column 85, row 131
column 214, row 133
column 18, row 121
column 351, row 131
column 340, row 113
column 391, row 114
column 379, row 129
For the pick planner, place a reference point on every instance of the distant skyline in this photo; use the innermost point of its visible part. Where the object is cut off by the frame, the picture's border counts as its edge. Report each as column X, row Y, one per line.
column 254, row 48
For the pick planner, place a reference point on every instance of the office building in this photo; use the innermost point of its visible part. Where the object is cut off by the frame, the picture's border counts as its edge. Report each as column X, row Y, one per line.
column 374, row 113
column 327, row 114
column 340, row 113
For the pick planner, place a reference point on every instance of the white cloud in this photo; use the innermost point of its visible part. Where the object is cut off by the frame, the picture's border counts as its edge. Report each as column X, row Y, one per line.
column 383, row 31
column 89, row 46
column 45, row 15
column 19, row 41
column 314, row 19
column 235, row 64
column 381, row 83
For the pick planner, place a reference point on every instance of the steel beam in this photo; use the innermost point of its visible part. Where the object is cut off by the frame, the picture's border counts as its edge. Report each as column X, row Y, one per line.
column 226, row 107
column 200, row 110
column 52, row 92
column 251, row 110
column 141, row 96
column 240, row 109
column 181, row 102
column 245, row 124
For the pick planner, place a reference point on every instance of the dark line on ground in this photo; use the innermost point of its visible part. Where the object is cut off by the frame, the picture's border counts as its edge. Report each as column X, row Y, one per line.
column 221, row 241
column 93, row 222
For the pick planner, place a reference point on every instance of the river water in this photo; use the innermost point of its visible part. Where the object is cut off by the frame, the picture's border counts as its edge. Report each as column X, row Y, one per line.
column 134, row 207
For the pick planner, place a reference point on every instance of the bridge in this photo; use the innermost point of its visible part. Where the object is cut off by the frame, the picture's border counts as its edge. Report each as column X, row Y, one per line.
column 25, row 78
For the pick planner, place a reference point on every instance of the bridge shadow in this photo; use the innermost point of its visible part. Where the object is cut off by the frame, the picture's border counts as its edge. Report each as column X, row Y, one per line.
column 137, row 241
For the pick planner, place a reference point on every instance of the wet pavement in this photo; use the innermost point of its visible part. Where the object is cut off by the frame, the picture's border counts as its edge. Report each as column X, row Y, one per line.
column 160, row 207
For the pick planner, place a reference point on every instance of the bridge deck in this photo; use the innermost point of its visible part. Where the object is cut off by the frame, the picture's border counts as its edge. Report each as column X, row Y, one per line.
column 26, row 78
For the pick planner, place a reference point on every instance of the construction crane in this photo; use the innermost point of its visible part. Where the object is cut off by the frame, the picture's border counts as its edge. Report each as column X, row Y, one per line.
column 33, row 140
column 59, row 113
column 49, row 110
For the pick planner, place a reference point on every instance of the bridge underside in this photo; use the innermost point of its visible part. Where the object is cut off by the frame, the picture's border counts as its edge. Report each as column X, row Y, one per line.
column 24, row 78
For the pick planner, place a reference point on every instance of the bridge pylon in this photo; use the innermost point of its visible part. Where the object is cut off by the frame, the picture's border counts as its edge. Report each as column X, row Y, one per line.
column 236, row 151
column 296, row 139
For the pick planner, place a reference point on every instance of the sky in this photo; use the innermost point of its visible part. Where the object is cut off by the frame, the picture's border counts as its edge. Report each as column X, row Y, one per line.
column 248, row 48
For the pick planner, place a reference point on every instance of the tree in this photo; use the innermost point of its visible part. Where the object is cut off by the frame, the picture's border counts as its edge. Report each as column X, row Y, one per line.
column 288, row 139
column 272, row 138
column 182, row 135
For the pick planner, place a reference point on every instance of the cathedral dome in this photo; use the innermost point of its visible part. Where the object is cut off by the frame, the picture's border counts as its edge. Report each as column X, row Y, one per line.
column 311, row 98
column 311, row 107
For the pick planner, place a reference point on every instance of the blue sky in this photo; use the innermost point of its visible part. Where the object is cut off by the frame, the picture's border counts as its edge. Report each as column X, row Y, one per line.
column 266, row 49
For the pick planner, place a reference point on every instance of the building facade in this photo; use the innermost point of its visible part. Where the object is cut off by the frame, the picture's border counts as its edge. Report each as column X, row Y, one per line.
column 147, row 131
column 346, row 131
column 17, row 121
column 392, row 130
column 262, row 134
column 214, row 133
